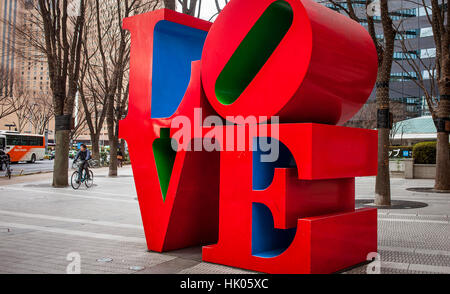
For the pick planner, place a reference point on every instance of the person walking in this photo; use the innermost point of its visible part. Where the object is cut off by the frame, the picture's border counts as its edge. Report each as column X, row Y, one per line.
column 120, row 158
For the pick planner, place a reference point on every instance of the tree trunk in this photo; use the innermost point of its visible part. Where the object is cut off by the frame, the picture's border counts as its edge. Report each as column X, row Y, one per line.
column 383, row 186
column 95, row 146
column 113, row 142
column 169, row 4
column 442, row 181
column 385, row 59
column 442, row 163
column 61, row 164
column 122, row 146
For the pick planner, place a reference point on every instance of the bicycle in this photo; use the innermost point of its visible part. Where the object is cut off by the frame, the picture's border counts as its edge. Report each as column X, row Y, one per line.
column 88, row 181
column 6, row 166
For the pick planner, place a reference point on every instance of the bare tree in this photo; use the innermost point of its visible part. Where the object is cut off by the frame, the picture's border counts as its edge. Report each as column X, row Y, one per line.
column 194, row 7
column 399, row 113
column 18, row 103
column 366, row 118
column 107, row 65
column 42, row 113
column 80, row 123
column 55, row 33
column 188, row 6
column 90, row 85
column 385, row 51
column 440, row 21
column 169, row 4
column 433, row 79
column 6, row 106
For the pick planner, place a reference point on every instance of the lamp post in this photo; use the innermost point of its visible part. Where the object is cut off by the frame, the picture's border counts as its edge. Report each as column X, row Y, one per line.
column 9, row 126
column 46, row 137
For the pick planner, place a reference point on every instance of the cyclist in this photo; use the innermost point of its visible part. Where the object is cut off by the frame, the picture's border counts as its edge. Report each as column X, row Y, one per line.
column 3, row 159
column 83, row 155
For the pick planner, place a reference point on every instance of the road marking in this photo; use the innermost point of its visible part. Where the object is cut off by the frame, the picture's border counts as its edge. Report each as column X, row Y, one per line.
column 75, row 191
column 75, row 233
column 113, row 194
column 70, row 220
column 68, row 195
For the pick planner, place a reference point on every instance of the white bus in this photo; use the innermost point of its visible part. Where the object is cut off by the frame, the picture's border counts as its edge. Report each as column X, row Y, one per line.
column 22, row 147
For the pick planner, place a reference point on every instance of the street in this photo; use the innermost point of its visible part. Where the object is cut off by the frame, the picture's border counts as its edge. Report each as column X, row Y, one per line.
column 40, row 226
column 40, row 166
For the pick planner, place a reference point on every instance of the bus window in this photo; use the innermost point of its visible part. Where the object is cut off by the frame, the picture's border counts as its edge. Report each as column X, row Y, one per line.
column 13, row 140
column 2, row 143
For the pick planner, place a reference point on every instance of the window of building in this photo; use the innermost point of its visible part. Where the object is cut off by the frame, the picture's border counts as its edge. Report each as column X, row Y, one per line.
column 426, row 32
column 428, row 53
column 428, row 74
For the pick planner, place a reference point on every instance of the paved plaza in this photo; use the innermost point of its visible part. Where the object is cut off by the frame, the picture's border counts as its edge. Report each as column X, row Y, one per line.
column 40, row 226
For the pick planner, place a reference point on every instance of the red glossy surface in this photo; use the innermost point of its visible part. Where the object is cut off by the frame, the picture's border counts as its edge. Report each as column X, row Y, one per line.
column 167, row 225
column 322, row 210
column 323, row 70
column 322, row 245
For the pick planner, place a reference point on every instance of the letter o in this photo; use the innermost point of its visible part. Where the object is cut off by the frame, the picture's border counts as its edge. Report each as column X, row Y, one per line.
column 295, row 59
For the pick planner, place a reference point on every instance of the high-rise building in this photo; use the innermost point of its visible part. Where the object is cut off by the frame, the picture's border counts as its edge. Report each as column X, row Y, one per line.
column 8, row 15
column 415, row 36
column 23, row 69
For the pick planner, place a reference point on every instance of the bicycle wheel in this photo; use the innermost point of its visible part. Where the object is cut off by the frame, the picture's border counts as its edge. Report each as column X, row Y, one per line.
column 75, row 185
column 89, row 182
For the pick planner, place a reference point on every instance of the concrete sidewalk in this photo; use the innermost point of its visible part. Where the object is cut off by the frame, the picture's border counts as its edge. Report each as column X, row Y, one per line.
column 40, row 226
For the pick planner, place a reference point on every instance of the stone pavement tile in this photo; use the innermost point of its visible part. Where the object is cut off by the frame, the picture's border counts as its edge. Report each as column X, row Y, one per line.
column 414, row 235
column 429, row 268
column 396, row 249
column 31, row 266
column 121, row 262
column 415, row 258
column 210, row 268
column 385, row 271
column 80, row 226
column 193, row 253
column 65, row 245
column 420, row 216
column 411, row 241
column 173, row 266
column 437, row 219
column 435, row 252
